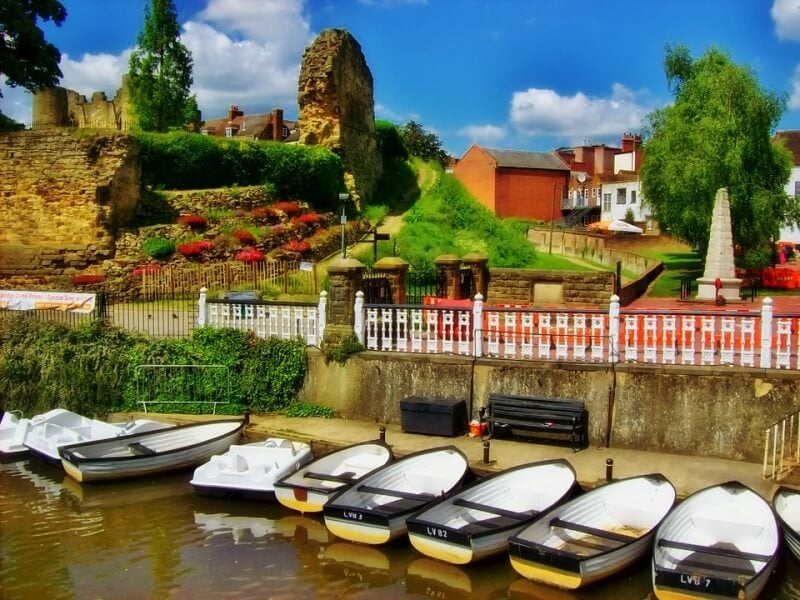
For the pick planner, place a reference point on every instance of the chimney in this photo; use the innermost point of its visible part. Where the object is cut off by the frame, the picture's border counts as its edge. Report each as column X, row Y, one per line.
column 277, row 124
column 631, row 142
column 233, row 112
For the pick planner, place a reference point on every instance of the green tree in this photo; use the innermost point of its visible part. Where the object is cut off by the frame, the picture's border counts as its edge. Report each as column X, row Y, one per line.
column 423, row 144
column 26, row 58
column 390, row 141
column 717, row 133
column 160, row 71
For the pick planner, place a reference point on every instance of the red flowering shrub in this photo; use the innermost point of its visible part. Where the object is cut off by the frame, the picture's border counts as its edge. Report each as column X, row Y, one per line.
column 289, row 208
column 249, row 255
column 193, row 221
column 245, row 237
column 298, row 246
column 86, row 279
column 308, row 219
column 195, row 248
column 141, row 269
column 262, row 214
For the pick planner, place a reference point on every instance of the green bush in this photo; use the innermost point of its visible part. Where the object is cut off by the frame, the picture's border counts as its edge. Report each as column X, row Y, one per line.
column 390, row 142
column 158, row 247
column 180, row 161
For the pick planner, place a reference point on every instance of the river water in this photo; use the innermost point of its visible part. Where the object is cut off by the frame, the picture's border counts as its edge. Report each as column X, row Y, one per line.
column 154, row 538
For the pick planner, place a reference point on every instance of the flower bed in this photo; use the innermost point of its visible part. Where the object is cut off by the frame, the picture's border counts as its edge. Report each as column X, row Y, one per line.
column 249, row 255
column 193, row 221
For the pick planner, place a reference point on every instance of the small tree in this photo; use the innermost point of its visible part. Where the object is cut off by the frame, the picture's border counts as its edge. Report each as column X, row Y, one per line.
column 423, row 144
column 160, row 71
column 26, row 59
column 716, row 134
column 390, row 141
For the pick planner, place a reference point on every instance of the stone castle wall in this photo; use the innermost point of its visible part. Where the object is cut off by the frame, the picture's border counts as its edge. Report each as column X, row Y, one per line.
column 63, row 197
column 335, row 94
column 60, row 107
column 529, row 286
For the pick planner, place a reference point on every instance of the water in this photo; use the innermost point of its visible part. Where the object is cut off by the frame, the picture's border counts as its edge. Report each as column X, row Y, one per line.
column 154, row 538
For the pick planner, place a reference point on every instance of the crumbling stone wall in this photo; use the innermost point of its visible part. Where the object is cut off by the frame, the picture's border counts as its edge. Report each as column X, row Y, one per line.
column 337, row 108
column 519, row 286
column 60, row 107
column 63, row 196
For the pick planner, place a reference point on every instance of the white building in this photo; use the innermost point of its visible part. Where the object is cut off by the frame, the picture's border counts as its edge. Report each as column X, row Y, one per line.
column 791, row 233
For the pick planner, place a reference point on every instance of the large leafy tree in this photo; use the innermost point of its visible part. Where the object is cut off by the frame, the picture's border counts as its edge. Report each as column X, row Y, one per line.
column 26, row 58
column 160, row 71
column 423, row 144
column 717, row 133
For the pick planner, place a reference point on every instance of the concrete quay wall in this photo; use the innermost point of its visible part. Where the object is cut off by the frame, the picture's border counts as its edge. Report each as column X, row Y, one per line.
column 698, row 411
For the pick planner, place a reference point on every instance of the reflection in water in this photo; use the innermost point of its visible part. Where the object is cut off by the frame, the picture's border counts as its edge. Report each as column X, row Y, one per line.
column 154, row 538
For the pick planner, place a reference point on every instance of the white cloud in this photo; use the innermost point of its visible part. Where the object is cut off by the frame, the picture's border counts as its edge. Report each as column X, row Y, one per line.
column 786, row 14
column 544, row 112
column 16, row 103
column 94, row 73
column 483, row 135
column 794, row 99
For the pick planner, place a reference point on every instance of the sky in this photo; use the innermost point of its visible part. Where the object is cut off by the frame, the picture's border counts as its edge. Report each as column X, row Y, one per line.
column 508, row 74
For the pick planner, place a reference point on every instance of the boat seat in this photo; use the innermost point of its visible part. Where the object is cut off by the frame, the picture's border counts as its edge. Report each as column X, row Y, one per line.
column 343, row 477
column 722, row 528
column 140, row 449
column 480, row 526
column 365, row 462
column 714, row 551
column 510, row 514
column 398, row 506
column 601, row 533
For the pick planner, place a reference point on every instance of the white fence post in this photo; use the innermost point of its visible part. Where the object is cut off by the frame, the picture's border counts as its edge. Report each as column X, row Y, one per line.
column 477, row 326
column 613, row 329
column 322, row 314
column 201, row 307
column 766, row 334
column 358, row 326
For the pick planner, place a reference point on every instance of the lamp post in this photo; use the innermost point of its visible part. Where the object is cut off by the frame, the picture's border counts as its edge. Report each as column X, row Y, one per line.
column 552, row 216
column 343, row 220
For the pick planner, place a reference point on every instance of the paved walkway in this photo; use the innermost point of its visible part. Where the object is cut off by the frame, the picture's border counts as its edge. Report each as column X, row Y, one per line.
column 687, row 473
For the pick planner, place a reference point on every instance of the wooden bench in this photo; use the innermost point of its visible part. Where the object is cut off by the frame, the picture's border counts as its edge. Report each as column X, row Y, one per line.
column 564, row 418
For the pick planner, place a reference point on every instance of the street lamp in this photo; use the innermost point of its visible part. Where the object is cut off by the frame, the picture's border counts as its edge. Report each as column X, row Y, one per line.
column 343, row 220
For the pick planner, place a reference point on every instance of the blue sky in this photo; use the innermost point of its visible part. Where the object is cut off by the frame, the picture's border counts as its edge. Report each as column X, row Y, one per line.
column 515, row 74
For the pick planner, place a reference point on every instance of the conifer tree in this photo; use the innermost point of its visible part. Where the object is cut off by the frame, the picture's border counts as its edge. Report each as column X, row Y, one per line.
column 160, row 70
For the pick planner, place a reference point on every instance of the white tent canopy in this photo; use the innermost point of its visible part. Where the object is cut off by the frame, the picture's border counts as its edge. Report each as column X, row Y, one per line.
column 615, row 225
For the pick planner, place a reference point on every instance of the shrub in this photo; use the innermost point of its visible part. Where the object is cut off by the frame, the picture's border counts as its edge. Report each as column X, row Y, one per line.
column 158, row 247
column 195, row 248
column 289, row 208
column 142, row 269
column 245, row 237
column 263, row 214
column 298, row 246
column 308, row 219
column 193, row 221
column 249, row 255
column 86, row 279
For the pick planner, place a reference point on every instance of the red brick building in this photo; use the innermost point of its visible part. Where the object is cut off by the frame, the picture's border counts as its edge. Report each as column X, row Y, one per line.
column 266, row 126
column 512, row 183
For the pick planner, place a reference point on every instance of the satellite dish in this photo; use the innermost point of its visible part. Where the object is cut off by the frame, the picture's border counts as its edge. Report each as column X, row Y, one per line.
column 581, row 177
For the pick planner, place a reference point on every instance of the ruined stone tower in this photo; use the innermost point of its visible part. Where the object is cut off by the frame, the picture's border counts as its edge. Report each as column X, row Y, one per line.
column 337, row 108
column 60, row 107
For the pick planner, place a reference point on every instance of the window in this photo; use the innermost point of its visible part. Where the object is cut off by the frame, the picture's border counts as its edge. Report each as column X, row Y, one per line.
column 606, row 203
column 594, row 192
column 633, row 196
column 621, row 196
column 229, row 132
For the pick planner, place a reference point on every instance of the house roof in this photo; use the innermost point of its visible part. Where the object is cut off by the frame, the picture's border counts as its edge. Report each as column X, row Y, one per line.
column 792, row 141
column 527, row 160
column 250, row 126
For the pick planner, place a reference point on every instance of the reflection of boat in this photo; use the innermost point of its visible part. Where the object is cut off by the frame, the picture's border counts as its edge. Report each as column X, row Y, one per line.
column 721, row 542
column 56, row 428
column 303, row 529
column 594, row 535
column 123, row 493
column 13, row 430
column 374, row 510
column 436, row 579
column 308, row 489
column 249, row 471
column 631, row 585
column 477, row 521
column 44, row 476
column 237, row 526
column 150, row 452
column 376, row 567
column 787, row 505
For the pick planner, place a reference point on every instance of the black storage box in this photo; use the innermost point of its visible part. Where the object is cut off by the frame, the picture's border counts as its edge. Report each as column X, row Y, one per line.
column 434, row 416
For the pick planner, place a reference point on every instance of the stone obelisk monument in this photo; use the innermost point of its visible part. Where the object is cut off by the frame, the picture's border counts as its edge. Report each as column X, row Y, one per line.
column 719, row 277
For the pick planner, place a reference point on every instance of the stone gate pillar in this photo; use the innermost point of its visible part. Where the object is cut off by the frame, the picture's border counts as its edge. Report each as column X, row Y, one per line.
column 394, row 269
column 346, row 276
column 477, row 264
column 448, row 265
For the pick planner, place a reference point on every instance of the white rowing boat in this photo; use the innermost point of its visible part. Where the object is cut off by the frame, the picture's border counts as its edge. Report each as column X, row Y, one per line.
column 477, row 521
column 374, row 509
column 309, row 488
column 13, row 429
column 594, row 535
column 249, row 471
column 151, row 452
column 786, row 502
column 721, row 542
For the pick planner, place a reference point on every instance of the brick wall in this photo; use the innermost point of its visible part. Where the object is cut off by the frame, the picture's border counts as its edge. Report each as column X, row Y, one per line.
column 476, row 172
column 529, row 193
column 518, row 286
column 63, row 195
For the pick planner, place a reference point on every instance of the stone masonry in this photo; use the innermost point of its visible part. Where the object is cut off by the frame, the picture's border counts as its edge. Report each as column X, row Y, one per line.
column 337, row 111
column 63, row 196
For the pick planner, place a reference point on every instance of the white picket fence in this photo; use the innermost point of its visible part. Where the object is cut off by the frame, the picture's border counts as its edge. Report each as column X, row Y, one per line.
column 707, row 338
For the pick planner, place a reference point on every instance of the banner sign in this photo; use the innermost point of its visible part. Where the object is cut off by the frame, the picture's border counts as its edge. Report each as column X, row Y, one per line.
column 64, row 301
